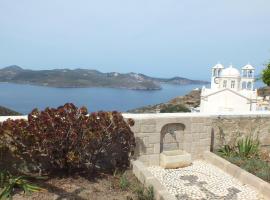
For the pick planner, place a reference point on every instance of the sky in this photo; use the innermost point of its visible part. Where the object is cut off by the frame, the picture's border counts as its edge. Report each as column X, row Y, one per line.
column 162, row 38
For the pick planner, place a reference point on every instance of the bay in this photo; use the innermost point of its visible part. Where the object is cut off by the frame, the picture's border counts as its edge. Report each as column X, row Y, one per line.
column 23, row 98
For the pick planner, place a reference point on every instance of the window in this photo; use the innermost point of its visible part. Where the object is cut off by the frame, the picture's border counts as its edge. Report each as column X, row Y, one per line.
column 225, row 83
column 250, row 75
column 244, row 85
column 214, row 72
column 249, row 86
column 232, row 84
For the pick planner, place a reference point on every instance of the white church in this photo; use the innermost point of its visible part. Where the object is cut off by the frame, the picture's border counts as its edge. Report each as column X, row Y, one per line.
column 231, row 91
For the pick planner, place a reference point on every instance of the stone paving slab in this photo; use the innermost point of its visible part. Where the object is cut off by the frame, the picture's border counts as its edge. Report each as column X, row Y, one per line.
column 203, row 181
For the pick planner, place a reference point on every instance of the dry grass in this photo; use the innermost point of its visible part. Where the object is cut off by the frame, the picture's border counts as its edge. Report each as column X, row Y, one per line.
column 106, row 187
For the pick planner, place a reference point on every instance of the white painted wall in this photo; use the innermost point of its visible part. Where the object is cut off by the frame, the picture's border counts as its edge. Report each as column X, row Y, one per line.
column 225, row 101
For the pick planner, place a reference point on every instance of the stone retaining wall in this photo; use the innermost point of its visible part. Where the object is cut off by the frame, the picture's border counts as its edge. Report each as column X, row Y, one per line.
column 201, row 132
column 192, row 132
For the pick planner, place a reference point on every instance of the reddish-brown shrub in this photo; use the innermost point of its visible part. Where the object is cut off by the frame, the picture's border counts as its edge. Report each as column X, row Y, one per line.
column 69, row 139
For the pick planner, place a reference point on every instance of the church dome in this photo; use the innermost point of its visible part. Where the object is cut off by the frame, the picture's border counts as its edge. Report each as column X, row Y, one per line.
column 230, row 72
column 248, row 66
column 218, row 66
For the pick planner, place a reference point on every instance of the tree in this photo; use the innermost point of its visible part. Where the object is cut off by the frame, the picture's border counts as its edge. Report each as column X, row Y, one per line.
column 266, row 75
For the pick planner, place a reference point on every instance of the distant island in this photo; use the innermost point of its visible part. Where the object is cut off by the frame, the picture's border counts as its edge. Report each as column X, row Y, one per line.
column 83, row 78
column 8, row 112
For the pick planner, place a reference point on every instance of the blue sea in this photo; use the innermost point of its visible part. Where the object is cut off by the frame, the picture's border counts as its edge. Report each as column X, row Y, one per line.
column 23, row 98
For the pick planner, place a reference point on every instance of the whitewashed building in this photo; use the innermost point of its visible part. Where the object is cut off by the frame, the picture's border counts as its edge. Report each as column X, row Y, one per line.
column 231, row 91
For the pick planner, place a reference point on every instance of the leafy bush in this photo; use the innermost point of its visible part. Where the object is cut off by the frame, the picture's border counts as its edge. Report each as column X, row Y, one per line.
column 247, row 147
column 255, row 166
column 68, row 139
column 226, row 151
column 174, row 108
column 9, row 182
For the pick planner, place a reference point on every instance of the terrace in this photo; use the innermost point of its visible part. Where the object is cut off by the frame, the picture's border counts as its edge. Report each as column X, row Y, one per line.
column 209, row 176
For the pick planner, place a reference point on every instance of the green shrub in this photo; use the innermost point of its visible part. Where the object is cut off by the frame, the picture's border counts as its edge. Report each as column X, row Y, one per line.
column 264, row 173
column 9, row 182
column 236, row 160
column 68, row 139
column 247, row 147
column 257, row 167
column 226, row 151
column 174, row 109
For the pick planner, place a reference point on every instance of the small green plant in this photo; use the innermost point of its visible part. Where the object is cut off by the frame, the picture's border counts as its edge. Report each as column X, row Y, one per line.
column 226, row 151
column 145, row 193
column 247, row 147
column 9, row 182
column 124, row 182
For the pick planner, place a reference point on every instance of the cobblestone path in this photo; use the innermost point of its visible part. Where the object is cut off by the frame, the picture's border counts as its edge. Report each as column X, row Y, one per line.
column 203, row 181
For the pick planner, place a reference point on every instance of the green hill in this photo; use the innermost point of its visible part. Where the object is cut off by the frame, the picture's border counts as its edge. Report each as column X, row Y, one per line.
column 8, row 112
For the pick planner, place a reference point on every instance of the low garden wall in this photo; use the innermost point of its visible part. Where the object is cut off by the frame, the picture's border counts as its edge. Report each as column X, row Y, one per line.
column 192, row 132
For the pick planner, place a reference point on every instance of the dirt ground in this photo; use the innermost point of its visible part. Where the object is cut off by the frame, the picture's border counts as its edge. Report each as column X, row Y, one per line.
column 107, row 187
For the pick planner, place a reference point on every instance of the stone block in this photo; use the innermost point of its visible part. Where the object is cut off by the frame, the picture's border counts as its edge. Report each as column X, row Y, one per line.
column 205, row 142
column 155, row 138
column 137, row 167
column 197, row 128
column 148, row 122
column 265, row 190
column 215, row 160
column 137, row 127
column 195, row 137
column 144, row 159
column 198, row 119
column 233, row 170
column 148, row 128
column 170, row 146
column 205, row 136
column 146, row 141
column 187, row 147
column 149, row 150
column 153, row 160
column 250, row 179
column 187, row 138
column 157, row 148
column 174, row 159
column 145, row 175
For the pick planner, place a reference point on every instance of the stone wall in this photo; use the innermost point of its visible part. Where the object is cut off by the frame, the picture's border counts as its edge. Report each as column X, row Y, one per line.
column 227, row 129
column 157, row 132
column 192, row 132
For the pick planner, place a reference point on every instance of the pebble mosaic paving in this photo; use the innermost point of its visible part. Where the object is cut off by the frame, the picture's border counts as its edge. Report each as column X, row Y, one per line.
column 203, row 181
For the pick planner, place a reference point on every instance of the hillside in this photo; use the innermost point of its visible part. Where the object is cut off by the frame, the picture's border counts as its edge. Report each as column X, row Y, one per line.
column 66, row 78
column 182, row 103
column 178, row 104
column 7, row 112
